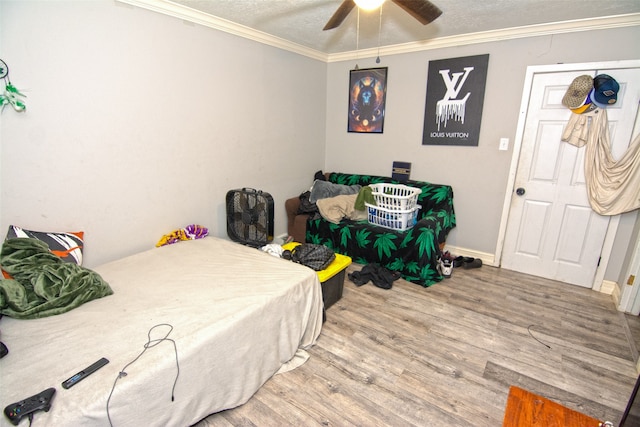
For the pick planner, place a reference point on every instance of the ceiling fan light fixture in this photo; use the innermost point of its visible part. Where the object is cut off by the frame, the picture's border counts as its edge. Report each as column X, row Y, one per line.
column 422, row 10
column 369, row 4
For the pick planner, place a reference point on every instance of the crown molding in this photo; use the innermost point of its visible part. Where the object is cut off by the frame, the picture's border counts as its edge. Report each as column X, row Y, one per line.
column 191, row 15
column 578, row 25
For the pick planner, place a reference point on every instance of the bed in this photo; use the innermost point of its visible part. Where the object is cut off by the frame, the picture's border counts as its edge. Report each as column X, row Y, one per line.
column 237, row 316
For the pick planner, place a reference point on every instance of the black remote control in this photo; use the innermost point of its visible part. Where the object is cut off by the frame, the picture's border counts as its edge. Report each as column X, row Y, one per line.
column 84, row 373
column 41, row 401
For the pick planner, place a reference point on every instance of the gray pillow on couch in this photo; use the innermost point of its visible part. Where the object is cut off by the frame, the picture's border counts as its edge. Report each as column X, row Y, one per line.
column 326, row 189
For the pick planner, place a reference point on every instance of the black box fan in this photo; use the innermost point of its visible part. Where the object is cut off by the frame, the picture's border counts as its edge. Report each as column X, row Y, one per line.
column 250, row 217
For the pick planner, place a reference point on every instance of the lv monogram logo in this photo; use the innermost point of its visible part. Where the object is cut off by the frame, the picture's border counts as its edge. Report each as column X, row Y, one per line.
column 451, row 82
column 449, row 107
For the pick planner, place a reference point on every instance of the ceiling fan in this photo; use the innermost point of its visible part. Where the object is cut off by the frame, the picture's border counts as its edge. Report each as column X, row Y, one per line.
column 422, row 10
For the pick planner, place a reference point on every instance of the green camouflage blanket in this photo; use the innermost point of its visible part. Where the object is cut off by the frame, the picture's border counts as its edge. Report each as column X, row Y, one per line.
column 43, row 285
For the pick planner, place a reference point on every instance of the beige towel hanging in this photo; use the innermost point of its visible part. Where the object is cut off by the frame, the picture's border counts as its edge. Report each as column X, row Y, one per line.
column 613, row 187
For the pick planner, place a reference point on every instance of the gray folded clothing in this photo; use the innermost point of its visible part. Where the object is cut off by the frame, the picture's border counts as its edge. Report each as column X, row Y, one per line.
column 326, row 189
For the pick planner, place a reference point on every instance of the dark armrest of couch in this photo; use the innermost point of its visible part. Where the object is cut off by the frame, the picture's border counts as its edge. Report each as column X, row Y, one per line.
column 296, row 223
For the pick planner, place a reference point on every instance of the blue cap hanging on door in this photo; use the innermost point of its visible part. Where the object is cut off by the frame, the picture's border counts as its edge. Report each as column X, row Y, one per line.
column 605, row 89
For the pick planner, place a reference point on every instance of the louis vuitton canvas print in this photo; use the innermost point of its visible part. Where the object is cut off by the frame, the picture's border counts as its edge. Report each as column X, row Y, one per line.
column 455, row 95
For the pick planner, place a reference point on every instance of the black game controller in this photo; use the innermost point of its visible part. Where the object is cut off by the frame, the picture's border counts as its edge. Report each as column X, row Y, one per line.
column 25, row 408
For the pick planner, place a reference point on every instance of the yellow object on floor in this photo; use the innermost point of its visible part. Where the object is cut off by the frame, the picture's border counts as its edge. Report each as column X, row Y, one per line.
column 340, row 263
column 331, row 278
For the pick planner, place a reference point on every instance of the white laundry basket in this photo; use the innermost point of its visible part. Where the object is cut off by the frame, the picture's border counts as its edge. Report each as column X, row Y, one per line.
column 397, row 197
column 392, row 218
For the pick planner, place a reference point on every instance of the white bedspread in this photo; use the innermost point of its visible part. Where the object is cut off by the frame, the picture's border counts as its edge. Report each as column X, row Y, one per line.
column 238, row 315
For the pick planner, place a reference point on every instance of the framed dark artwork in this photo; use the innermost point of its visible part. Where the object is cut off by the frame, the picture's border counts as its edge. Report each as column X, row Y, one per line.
column 367, row 97
column 455, row 94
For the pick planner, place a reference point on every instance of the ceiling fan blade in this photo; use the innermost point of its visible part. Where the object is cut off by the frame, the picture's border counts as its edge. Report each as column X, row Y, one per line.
column 340, row 15
column 423, row 10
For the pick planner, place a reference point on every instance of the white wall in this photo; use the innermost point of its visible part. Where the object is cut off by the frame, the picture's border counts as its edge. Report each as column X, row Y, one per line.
column 138, row 123
column 478, row 174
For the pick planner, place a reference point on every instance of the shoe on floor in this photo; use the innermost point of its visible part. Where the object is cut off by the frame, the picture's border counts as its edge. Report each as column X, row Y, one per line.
column 461, row 261
column 473, row 263
column 446, row 267
column 447, row 256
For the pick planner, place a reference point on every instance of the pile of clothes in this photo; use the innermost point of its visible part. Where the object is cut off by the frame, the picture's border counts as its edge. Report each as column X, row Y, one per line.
column 190, row 232
column 375, row 273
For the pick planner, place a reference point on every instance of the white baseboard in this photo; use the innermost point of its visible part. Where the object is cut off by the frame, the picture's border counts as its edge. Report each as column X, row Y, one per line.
column 608, row 287
column 487, row 258
column 616, row 295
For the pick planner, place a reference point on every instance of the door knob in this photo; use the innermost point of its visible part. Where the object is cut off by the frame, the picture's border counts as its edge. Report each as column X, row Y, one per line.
column 520, row 191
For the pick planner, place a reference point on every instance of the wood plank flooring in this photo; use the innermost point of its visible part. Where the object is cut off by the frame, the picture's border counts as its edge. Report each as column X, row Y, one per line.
column 633, row 333
column 447, row 355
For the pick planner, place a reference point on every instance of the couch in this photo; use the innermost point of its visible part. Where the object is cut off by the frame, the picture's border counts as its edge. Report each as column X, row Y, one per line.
column 413, row 252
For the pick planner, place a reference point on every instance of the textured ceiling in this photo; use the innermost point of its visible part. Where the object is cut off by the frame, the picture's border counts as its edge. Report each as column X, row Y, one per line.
column 300, row 21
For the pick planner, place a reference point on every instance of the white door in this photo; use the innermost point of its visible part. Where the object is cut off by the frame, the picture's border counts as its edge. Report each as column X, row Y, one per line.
column 630, row 298
column 552, row 232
